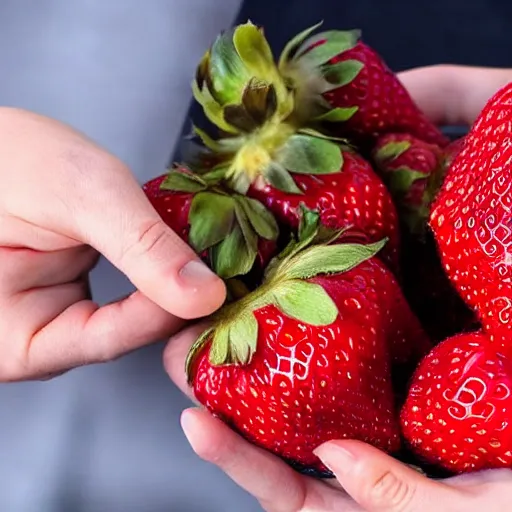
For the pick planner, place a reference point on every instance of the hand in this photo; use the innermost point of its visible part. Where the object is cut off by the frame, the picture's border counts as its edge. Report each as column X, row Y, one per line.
column 374, row 482
column 367, row 480
column 63, row 199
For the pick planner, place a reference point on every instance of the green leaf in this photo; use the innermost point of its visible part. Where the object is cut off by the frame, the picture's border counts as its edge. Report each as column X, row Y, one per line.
column 329, row 259
column 259, row 100
column 332, row 43
column 212, row 110
column 262, row 221
column 237, row 116
column 240, row 183
column 303, row 154
column 342, row 73
column 251, row 239
column 243, row 337
column 211, row 219
column 219, row 349
column 233, row 257
column 178, row 181
column 227, row 71
column 194, row 351
column 337, row 115
column 216, row 175
column 295, row 42
column 392, row 150
column 401, row 180
column 254, row 51
column 306, row 302
column 278, row 177
column 208, row 141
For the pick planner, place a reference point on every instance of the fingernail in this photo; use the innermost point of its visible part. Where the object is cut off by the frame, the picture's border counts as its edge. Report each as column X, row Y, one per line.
column 195, row 273
column 187, row 419
column 335, row 457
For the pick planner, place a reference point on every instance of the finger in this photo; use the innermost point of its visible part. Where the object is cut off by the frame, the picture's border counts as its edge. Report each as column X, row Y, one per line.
column 380, row 483
column 92, row 197
column 70, row 331
column 453, row 95
column 118, row 220
column 23, row 269
column 175, row 354
column 278, row 487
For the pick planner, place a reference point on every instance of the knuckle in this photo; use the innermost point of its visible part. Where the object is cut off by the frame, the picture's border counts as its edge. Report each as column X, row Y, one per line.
column 391, row 492
column 147, row 240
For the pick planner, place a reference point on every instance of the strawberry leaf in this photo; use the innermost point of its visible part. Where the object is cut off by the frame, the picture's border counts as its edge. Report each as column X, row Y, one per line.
column 337, row 115
column 219, row 349
column 194, row 351
column 325, row 46
column 401, row 180
column 306, row 302
column 330, row 259
column 295, row 42
column 251, row 239
column 392, row 150
column 211, row 219
column 179, row 181
column 233, row 257
column 303, row 154
column 260, row 218
column 342, row 73
column 254, row 51
column 278, row 177
column 227, row 71
column 243, row 338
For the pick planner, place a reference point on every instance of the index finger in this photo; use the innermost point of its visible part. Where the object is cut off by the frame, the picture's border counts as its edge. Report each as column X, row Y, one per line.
column 453, row 95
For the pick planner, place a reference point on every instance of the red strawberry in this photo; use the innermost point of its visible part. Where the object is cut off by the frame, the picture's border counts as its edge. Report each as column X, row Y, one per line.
column 459, row 409
column 352, row 86
column 234, row 234
column 305, row 358
column 265, row 150
column 354, row 198
column 472, row 218
column 413, row 171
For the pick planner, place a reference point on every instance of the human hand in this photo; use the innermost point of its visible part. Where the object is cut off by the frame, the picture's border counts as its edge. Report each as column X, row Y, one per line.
column 63, row 200
column 450, row 95
column 367, row 479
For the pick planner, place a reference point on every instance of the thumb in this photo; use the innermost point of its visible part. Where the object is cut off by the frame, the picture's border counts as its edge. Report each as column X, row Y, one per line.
column 379, row 483
column 127, row 230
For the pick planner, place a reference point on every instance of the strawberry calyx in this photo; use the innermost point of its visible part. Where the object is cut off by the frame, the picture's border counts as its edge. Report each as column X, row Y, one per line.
column 233, row 335
column 238, row 84
column 268, row 155
column 307, row 66
column 413, row 190
column 226, row 224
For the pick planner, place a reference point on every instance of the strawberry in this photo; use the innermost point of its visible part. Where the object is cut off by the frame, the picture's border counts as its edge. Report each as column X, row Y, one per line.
column 354, row 198
column 457, row 414
column 471, row 218
column 307, row 357
column 233, row 234
column 263, row 151
column 341, row 81
column 413, row 171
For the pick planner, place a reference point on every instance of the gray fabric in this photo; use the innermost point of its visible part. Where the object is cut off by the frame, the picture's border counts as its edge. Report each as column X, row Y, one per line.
column 107, row 438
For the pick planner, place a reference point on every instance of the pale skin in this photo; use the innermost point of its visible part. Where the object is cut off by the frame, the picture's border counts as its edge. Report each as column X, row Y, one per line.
column 64, row 201
column 367, row 480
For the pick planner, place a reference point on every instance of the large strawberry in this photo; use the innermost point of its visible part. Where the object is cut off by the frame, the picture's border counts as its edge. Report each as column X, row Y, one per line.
column 306, row 357
column 459, row 409
column 266, row 152
column 233, row 233
column 472, row 218
column 340, row 80
column 413, row 171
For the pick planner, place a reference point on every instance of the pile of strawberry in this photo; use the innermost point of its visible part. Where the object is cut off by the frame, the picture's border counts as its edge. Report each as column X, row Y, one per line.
column 368, row 261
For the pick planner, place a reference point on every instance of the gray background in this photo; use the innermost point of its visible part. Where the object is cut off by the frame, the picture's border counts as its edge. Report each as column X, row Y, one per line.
column 107, row 438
